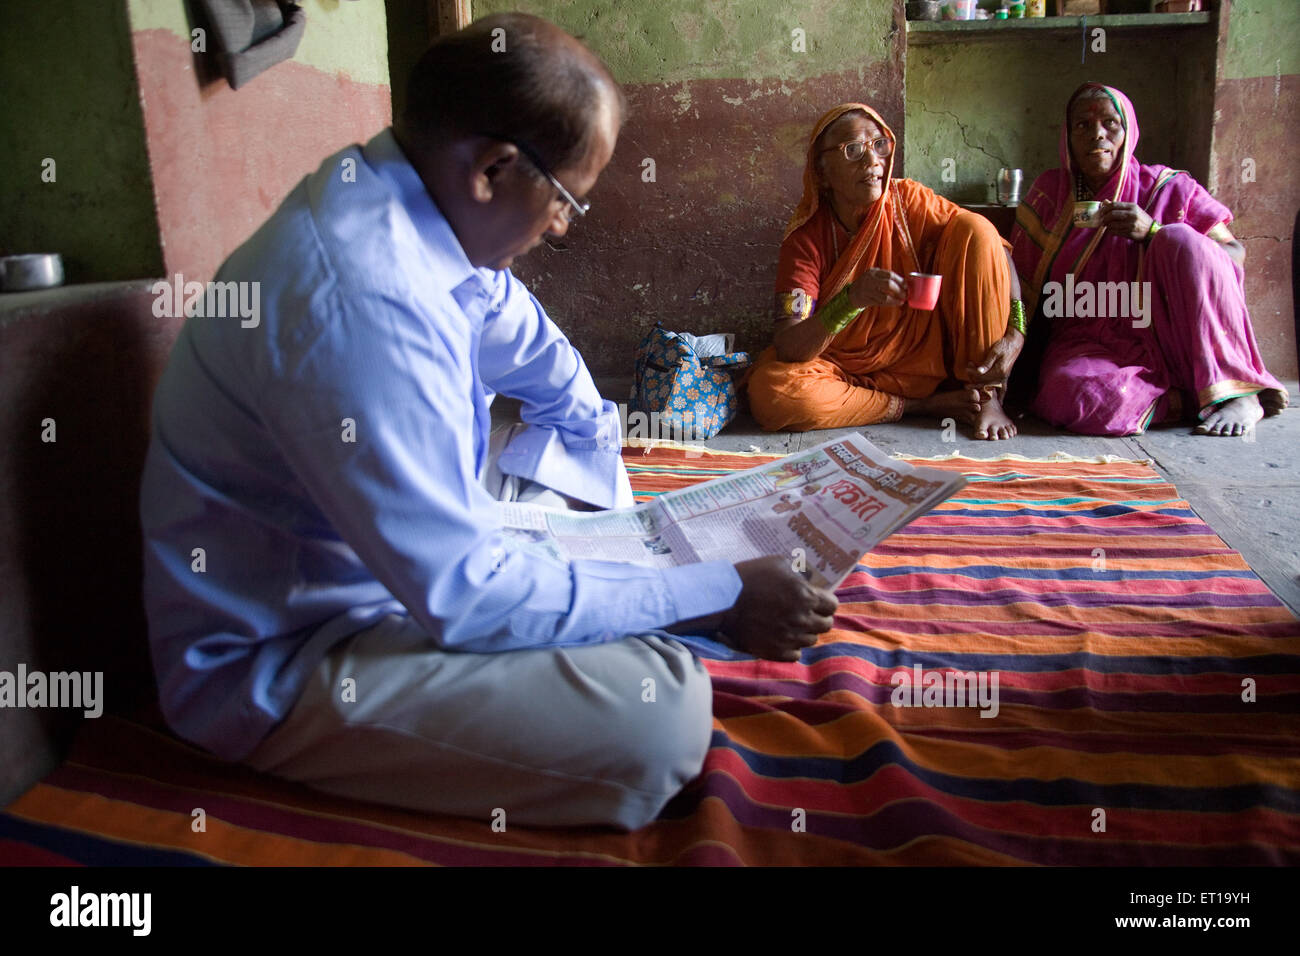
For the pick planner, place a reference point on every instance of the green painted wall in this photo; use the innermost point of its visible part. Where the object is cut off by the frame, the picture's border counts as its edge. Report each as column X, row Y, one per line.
column 341, row 38
column 209, row 196
column 1263, row 39
column 70, row 93
column 672, row 41
column 67, row 82
column 1000, row 103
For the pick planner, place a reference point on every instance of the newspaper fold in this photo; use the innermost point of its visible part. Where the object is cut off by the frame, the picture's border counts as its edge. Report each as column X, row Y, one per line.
column 822, row 508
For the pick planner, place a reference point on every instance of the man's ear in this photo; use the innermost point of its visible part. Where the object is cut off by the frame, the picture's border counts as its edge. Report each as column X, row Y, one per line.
column 490, row 161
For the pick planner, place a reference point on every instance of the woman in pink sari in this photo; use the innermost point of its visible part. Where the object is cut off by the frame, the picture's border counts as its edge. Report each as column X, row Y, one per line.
column 1119, row 360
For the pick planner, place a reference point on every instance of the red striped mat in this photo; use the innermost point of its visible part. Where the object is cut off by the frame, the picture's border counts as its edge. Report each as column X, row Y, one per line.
column 1148, row 708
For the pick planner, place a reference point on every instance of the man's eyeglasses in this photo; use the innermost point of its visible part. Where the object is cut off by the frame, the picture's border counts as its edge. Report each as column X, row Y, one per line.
column 574, row 206
column 855, row 149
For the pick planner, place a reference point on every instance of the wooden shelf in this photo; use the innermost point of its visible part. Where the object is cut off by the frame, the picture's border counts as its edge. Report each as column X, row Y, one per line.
column 924, row 32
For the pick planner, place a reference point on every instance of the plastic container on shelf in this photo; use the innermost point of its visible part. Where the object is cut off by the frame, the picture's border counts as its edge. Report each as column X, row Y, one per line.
column 959, row 10
column 1036, row 8
column 923, row 9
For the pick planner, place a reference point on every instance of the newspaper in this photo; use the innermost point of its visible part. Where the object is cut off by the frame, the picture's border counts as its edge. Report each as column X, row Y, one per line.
column 822, row 508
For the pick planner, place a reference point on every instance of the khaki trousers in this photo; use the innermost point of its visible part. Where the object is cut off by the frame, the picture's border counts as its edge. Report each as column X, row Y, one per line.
column 599, row 734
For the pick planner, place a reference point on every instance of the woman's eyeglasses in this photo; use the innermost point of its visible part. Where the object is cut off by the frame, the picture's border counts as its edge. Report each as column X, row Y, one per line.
column 855, row 149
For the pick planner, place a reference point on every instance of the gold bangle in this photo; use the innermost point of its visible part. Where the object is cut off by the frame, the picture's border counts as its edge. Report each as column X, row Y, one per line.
column 796, row 304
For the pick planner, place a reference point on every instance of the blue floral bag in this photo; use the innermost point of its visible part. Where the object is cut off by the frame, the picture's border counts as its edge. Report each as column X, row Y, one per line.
column 692, row 397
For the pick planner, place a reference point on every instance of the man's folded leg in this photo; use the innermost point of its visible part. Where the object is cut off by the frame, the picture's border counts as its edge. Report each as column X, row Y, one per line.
column 560, row 736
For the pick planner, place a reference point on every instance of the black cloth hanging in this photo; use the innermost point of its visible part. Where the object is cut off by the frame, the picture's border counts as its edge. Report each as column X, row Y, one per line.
column 253, row 35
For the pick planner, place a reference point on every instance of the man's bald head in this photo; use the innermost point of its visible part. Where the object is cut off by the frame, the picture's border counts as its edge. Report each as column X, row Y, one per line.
column 544, row 88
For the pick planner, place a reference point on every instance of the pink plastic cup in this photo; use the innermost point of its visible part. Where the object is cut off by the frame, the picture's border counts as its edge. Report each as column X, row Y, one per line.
column 923, row 290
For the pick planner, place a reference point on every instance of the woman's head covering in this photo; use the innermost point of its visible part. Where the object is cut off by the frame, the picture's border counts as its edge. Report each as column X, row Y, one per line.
column 1047, row 241
column 1124, row 177
column 812, row 185
column 1046, row 245
column 885, row 220
column 883, row 240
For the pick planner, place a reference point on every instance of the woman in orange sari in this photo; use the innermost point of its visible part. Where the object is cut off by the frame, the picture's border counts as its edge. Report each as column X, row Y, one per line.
column 847, row 349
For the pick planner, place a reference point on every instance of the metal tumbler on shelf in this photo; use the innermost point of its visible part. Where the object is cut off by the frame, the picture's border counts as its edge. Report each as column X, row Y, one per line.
column 1009, row 186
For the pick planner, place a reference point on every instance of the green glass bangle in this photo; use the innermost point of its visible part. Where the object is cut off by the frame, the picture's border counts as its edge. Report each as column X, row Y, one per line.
column 1017, row 318
column 1155, row 227
column 836, row 315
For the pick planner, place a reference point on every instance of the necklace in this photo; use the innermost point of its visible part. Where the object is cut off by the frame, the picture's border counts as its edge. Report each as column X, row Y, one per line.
column 835, row 235
column 1082, row 190
column 900, row 218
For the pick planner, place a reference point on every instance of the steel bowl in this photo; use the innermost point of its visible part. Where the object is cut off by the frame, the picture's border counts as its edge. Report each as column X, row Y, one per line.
column 40, row 270
column 923, row 10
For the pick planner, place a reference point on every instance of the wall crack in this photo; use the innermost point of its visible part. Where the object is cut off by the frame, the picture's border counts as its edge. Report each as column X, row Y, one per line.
column 964, row 137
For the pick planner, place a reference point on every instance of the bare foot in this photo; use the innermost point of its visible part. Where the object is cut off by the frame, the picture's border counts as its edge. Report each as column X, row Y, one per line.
column 962, row 404
column 1272, row 400
column 1232, row 418
column 975, row 406
column 992, row 423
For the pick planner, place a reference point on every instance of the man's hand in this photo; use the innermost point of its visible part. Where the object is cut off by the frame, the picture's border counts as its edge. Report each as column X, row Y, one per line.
column 778, row 613
column 994, row 368
column 878, row 287
column 1126, row 219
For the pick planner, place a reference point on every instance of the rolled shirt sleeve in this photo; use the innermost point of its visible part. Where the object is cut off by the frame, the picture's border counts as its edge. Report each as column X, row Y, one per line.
column 401, row 488
column 572, row 443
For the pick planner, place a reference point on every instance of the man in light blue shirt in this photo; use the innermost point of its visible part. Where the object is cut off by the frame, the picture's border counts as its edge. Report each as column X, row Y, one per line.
column 330, row 596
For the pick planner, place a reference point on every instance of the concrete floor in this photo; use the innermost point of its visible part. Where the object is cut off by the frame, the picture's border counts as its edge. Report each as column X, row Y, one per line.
column 1248, row 492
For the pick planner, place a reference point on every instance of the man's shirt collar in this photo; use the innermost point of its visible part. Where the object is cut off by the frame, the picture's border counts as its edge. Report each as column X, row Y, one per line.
column 387, row 159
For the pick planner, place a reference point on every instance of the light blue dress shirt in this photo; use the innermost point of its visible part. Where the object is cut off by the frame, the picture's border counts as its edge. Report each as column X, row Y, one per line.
column 319, row 468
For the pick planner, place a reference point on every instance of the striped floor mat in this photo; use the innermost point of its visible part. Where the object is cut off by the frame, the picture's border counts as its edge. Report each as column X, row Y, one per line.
column 1147, row 713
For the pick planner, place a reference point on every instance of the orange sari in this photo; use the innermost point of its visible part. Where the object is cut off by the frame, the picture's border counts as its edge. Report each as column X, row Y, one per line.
column 888, row 353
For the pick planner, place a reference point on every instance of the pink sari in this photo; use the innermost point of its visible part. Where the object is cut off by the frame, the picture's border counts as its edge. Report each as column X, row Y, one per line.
column 1194, row 347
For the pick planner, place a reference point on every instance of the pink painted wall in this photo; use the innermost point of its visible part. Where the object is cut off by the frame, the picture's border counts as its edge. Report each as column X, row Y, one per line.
column 1257, row 126
column 1264, row 209
column 221, row 159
